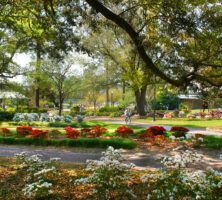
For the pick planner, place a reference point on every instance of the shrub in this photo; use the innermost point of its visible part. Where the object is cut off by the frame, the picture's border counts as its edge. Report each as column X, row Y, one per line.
column 6, row 116
column 183, row 107
column 109, row 109
column 179, row 131
column 109, row 179
column 84, row 132
column 71, row 133
column 176, row 113
column 98, row 131
column 158, row 140
column 38, row 184
column 67, row 118
column 54, row 133
column 79, row 118
column 58, row 118
column 116, row 114
column 156, row 130
column 102, row 113
column 30, row 110
column 124, row 131
column 75, row 109
column 44, row 117
column 147, row 135
column 5, row 132
column 202, row 114
column 39, row 134
column 23, row 131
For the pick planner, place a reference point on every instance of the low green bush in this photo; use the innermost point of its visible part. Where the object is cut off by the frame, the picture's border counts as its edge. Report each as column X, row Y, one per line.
column 104, row 113
column 30, row 110
column 82, row 142
column 116, row 114
column 213, row 142
column 6, row 116
column 108, row 109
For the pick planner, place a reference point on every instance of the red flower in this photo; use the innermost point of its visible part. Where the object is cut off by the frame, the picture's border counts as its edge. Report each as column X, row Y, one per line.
column 158, row 140
column 71, row 133
column 23, row 131
column 182, row 129
column 98, row 131
column 38, row 134
column 156, row 130
column 5, row 132
column 124, row 131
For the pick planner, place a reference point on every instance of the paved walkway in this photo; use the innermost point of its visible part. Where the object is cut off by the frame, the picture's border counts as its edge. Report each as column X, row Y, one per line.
column 141, row 160
column 144, row 125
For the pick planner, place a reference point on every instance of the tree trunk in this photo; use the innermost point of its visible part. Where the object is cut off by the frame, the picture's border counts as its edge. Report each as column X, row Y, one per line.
column 141, row 100
column 154, row 104
column 107, row 96
column 38, row 60
column 94, row 103
column 124, row 90
column 60, row 105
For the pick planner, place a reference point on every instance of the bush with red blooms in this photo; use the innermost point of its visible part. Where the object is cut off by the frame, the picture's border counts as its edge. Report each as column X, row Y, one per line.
column 5, row 132
column 146, row 135
column 179, row 131
column 199, row 135
column 71, row 133
column 158, row 140
column 98, row 131
column 156, row 130
column 84, row 132
column 124, row 131
column 23, row 131
column 39, row 134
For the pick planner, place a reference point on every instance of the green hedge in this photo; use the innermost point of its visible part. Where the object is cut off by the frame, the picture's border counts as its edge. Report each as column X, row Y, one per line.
column 6, row 116
column 108, row 109
column 30, row 110
column 82, row 142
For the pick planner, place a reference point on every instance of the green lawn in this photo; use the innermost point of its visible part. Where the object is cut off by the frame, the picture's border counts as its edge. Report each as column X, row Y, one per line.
column 194, row 123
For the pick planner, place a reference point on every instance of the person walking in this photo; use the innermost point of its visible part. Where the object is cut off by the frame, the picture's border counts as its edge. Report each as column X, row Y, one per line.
column 203, row 107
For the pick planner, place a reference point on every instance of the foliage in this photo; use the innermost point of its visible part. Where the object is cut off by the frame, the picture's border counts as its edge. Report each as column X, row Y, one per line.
column 5, row 132
column 54, row 133
column 81, row 142
column 116, row 114
column 176, row 113
column 158, row 140
column 110, row 172
column 108, row 109
column 6, row 116
column 38, row 171
column 23, row 131
column 38, row 134
column 67, row 118
column 71, row 133
column 156, row 130
column 75, row 109
column 79, row 118
column 30, row 110
column 98, row 131
column 124, row 131
column 164, row 99
column 179, row 131
column 183, row 107
column 84, row 132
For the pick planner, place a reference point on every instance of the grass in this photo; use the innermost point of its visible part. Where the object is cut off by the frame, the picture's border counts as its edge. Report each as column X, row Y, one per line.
column 82, row 142
column 213, row 142
column 193, row 123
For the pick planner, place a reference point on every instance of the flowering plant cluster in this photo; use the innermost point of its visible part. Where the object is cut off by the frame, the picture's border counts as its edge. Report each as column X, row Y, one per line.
column 39, row 134
column 54, row 133
column 5, row 132
column 79, row 118
column 39, row 172
column 84, row 132
column 23, row 131
column 26, row 117
column 158, row 140
column 124, row 131
column 146, row 135
column 98, row 131
column 179, row 131
column 71, row 133
column 156, row 130
column 168, row 115
column 176, row 113
column 179, row 183
column 109, row 178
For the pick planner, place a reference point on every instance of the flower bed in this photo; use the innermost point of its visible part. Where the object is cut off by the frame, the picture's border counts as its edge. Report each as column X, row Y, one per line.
column 124, row 131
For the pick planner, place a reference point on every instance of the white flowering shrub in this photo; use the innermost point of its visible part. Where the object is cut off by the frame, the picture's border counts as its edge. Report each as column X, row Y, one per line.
column 44, row 117
column 179, row 183
column 109, row 178
column 67, row 118
column 58, row 118
column 38, row 171
column 26, row 117
column 79, row 118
